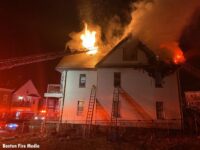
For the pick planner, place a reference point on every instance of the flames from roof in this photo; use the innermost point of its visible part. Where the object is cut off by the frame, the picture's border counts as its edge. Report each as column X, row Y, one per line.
column 89, row 40
column 157, row 23
column 160, row 23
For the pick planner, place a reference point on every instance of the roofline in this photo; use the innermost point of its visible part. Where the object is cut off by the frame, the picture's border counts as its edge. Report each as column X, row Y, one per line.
column 60, row 69
column 111, row 51
column 144, row 48
column 150, row 55
column 24, row 84
column 137, row 65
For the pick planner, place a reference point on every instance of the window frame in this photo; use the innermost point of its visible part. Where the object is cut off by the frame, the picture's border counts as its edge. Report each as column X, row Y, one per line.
column 80, row 109
column 158, row 80
column 160, row 110
column 82, row 85
column 117, row 82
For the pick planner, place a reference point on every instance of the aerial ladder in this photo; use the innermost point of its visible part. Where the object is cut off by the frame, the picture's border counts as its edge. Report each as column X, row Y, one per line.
column 20, row 61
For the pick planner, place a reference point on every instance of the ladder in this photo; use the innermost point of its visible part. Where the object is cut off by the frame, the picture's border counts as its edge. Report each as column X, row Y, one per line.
column 114, row 132
column 90, row 111
column 115, row 107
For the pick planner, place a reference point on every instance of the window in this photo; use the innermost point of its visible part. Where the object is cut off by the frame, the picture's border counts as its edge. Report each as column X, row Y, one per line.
column 80, row 108
column 130, row 54
column 117, row 79
column 82, row 81
column 159, row 110
column 158, row 80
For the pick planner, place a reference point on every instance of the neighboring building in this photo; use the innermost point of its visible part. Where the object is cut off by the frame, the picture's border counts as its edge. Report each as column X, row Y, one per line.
column 5, row 102
column 192, row 99
column 21, row 102
column 149, row 92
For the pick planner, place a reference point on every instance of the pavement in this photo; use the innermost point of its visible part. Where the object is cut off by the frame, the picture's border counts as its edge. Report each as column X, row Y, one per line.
column 6, row 135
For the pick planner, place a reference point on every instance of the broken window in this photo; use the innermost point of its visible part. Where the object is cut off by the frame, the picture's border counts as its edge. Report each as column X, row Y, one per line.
column 80, row 108
column 159, row 110
column 130, row 54
column 82, row 81
column 117, row 79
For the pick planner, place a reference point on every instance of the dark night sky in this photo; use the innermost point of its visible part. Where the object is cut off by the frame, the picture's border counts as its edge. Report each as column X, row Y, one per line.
column 38, row 26
column 32, row 27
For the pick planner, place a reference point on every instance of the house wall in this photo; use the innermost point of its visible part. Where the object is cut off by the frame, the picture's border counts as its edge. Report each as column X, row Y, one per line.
column 116, row 57
column 136, row 83
column 73, row 94
column 30, row 98
column 5, row 102
column 142, row 89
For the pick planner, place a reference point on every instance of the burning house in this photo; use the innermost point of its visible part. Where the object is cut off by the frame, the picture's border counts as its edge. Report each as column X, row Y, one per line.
column 126, row 85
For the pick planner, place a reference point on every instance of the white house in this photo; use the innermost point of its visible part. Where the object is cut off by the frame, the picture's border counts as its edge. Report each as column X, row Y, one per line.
column 25, row 99
column 148, row 96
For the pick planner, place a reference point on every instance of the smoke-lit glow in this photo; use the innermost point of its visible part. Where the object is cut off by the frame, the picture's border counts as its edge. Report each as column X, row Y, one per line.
column 174, row 51
column 179, row 58
column 89, row 40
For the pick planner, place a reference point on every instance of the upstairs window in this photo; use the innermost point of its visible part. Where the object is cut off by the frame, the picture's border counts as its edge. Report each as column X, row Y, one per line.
column 117, row 79
column 80, row 108
column 130, row 54
column 159, row 110
column 158, row 80
column 82, row 81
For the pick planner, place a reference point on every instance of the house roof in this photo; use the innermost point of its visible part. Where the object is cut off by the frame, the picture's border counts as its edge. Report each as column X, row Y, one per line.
column 28, row 87
column 80, row 61
column 84, row 61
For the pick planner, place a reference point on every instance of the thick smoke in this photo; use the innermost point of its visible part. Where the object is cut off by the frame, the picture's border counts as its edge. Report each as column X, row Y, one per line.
column 107, row 35
column 160, row 22
column 157, row 23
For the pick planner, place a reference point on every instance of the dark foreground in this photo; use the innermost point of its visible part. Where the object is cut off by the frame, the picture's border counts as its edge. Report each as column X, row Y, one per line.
column 102, row 143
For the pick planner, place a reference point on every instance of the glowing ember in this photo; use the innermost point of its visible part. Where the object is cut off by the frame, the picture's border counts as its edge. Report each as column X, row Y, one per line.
column 175, row 51
column 179, row 58
column 89, row 40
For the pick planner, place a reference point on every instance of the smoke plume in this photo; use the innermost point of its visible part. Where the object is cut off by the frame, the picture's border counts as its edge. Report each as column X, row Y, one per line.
column 161, row 22
column 157, row 23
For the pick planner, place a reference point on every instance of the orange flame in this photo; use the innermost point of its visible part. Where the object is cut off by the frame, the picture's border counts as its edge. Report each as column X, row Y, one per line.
column 175, row 51
column 179, row 57
column 89, row 40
